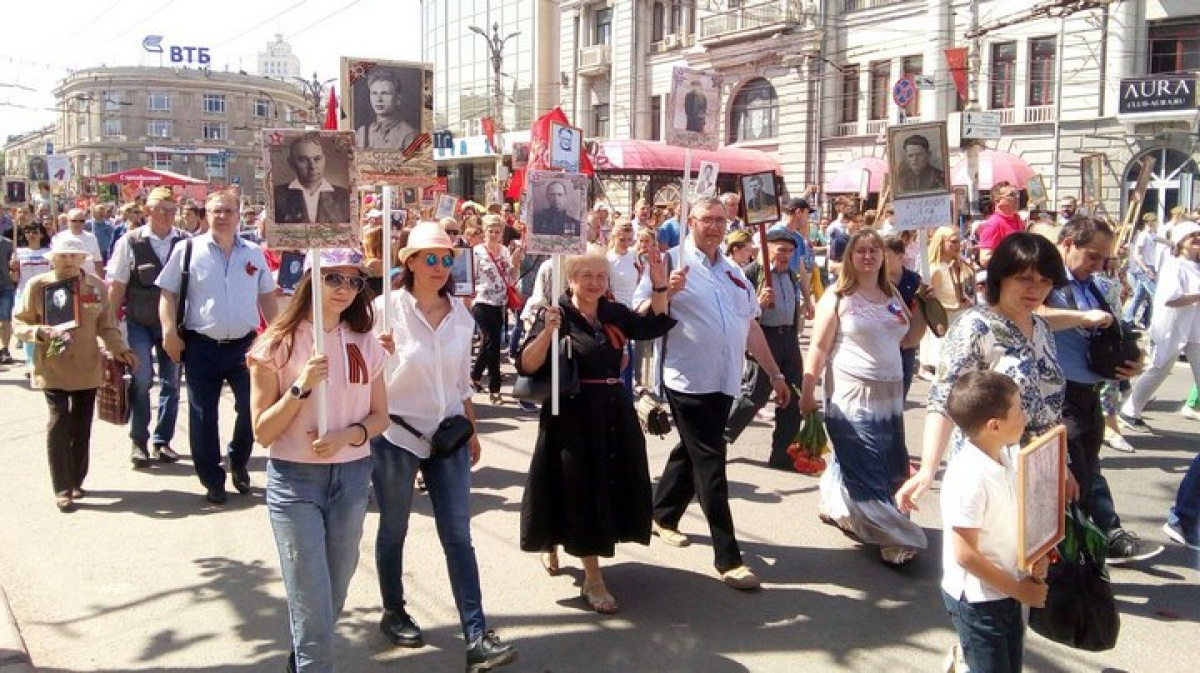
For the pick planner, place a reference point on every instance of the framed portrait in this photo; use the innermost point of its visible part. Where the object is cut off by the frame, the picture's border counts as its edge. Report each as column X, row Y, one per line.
column 389, row 107
column 694, row 108
column 706, row 180
column 558, row 213
column 300, row 163
column 399, row 219
column 918, row 159
column 759, row 202
column 410, row 196
column 61, row 304
column 962, row 201
column 447, row 206
column 566, row 143
column 462, row 273
column 16, row 191
column 1091, row 172
column 1035, row 190
column 1041, row 495
column 39, row 170
column 520, row 156
column 291, row 269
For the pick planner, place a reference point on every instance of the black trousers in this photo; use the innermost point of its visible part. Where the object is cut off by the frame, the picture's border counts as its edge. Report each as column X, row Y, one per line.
column 1085, row 434
column 491, row 323
column 69, row 437
column 696, row 467
column 756, row 390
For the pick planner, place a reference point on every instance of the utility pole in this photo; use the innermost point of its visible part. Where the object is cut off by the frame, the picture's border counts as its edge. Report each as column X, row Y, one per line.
column 496, row 49
column 974, row 59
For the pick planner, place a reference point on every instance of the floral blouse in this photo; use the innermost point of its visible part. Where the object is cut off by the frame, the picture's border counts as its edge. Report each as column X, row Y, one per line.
column 491, row 286
column 983, row 339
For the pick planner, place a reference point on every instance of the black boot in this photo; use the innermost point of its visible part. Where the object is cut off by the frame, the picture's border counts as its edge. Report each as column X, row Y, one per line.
column 401, row 629
column 487, row 652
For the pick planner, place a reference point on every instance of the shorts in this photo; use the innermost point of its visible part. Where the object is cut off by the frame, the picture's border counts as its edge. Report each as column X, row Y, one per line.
column 7, row 296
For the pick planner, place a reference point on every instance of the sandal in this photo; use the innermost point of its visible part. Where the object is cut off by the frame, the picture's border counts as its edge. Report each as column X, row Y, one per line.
column 496, row 398
column 897, row 556
column 78, row 493
column 550, row 563
column 64, row 503
column 599, row 599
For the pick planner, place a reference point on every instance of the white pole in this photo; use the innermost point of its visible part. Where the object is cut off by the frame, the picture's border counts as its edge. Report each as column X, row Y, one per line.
column 685, row 192
column 556, row 291
column 387, row 257
column 318, row 321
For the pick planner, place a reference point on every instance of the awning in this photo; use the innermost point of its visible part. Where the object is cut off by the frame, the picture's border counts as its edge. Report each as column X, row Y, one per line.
column 995, row 167
column 146, row 176
column 849, row 179
column 643, row 157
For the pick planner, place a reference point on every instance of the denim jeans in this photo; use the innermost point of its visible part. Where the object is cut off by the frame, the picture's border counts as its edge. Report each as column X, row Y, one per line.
column 1143, row 296
column 146, row 343
column 209, row 367
column 992, row 633
column 317, row 514
column 1186, row 512
column 448, row 481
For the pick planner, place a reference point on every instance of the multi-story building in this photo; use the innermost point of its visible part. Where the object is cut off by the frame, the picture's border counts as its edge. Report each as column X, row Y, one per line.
column 278, row 61
column 19, row 149
column 195, row 122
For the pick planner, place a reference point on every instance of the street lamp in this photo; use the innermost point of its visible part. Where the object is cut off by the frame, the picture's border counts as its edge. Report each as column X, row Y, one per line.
column 496, row 49
column 313, row 90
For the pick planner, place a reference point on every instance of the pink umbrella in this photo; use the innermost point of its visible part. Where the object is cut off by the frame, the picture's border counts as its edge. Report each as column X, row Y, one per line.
column 995, row 167
column 849, row 179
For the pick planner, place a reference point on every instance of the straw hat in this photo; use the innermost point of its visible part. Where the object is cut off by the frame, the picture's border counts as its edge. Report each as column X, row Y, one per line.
column 66, row 243
column 1180, row 232
column 425, row 236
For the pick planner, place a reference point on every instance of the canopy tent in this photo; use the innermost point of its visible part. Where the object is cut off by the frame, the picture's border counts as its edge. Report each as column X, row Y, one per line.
column 849, row 179
column 146, row 176
column 646, row 157
column 995, row 167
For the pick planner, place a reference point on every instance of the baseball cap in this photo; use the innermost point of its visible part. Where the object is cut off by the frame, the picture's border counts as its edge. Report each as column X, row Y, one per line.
column 797, row 204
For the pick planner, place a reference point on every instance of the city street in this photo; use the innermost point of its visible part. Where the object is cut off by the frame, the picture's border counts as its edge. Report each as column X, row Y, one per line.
column 147, row 576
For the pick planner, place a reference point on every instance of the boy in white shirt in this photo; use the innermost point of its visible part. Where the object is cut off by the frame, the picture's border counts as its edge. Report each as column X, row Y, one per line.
column 983, row 587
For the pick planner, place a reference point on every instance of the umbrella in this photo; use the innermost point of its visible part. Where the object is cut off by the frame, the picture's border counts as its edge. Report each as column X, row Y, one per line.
column 995, row 167
column 146, row 176
column 849, row 179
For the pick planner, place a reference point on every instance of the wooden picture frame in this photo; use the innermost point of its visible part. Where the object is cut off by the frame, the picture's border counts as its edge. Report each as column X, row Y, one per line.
column 918, row 159
column 447, row 206
column 1091, row 177
column 1041, row 496
column 60, row 304
column 760, row 204
column 1035, row 190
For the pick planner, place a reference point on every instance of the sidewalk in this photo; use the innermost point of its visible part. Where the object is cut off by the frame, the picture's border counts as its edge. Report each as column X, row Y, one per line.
column 13, row 657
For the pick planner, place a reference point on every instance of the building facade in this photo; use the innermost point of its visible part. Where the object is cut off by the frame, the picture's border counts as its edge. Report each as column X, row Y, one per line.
column 195, row 122
column 18, row 150
column 278, row 61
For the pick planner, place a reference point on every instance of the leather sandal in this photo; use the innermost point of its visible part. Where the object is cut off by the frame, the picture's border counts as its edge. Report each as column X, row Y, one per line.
column 599, row 599
column 550, row 563
column 64, row 503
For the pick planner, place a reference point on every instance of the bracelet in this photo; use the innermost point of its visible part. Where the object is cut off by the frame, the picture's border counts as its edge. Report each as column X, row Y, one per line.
column 779, row 377
column 662, row 289
column 366, row 435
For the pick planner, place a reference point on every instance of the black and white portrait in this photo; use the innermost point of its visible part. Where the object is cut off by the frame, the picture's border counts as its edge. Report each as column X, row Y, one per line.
column 291, row 268
column 387, row 104
column 16, row 192
column 706, row 180
column 918, row 159
column 447, row 206
column 758, row 198
column 566, row 142
column 558, row 203
column 520, row 156
column 61, row 304
column 399, row 219
column 694, row 107
column 310, row 184
column 1091, row 170
column 462, row 273
column 38, row 169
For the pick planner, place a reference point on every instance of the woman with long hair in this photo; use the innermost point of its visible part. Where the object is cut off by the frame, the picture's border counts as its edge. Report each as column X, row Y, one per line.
column 496, row 270
column 948, row 275
column 317, row 485
column 853, row 349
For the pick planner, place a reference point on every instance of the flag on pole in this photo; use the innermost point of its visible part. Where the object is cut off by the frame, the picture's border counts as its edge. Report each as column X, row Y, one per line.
column 331, row 112
column 956, row 58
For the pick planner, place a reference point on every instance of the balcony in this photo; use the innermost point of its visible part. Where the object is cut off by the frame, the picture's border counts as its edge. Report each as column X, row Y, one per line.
column 1008, row 115
column 595, row 60
column 877, row 127
column 845, row 130
column 1039, row 114
column 763, row 17
column 856, row 5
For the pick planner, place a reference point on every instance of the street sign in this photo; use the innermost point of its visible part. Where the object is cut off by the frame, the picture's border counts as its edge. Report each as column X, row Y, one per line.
column 904, row 91
column 49, row 148
column 925, row 83
column 981, row 125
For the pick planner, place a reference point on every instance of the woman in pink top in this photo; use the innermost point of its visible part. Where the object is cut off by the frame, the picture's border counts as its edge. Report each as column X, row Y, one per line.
column 317, row 486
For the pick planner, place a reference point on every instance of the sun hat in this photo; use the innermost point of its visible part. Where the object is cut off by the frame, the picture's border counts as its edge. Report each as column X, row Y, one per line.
column 66, row 243
column 739, row 237
column 331, row 257
column 425, row 236
column 1183, row 230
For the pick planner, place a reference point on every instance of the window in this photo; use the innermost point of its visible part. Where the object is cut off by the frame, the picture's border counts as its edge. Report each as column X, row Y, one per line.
column 913, row 68
column 215, row 165
column 603, row 26
column 851, row 93
column 1004, row 68
column 160, row 161
column 158, row 128
column 215, row 131
column 658, row 21
column 1041, row 70
column 1174, row 46
column 112, row 127
column 754, row 113
column 675, row 25
column 112, row 165
column 880, row 90
column 214, row 103
column 600, row 120
column 261, row 110
column 656, row 118
column 112, row 101
column 158, row 101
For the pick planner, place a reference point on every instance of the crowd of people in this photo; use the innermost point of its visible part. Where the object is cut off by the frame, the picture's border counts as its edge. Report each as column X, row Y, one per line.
column 683, row 309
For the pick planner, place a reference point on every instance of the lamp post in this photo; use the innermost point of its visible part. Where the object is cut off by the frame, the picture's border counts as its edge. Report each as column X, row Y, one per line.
column 496, row 48
column 313, row 91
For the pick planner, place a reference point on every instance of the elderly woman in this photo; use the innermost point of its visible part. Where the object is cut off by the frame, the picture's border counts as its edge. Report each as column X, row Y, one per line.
column 67, row 363
column 495, row 271
column 739, row 247
column 948, row 274
column 589, row 484
column 854, row 340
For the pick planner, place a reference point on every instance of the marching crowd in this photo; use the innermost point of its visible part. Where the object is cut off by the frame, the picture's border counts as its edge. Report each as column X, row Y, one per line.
column 686, row 311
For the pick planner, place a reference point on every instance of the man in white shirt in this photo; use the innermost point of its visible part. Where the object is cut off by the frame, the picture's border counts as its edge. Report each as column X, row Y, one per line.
column 1143, row 269
column 76, row 219
column 310, row 197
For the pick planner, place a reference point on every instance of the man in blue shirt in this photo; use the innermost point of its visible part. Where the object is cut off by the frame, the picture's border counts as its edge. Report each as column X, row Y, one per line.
column 668, row 232
column 102, row 228
column 795, row 222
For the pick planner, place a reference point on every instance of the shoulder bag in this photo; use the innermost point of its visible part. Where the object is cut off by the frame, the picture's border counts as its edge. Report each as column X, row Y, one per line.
column 513, row 299
column 181, row 302
column 535, row 388
column 451, row 434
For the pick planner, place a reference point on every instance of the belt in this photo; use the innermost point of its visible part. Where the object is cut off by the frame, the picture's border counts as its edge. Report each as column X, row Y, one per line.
column 778, row 329
column 602, row 382
column 220, row 342
column 1074, row 387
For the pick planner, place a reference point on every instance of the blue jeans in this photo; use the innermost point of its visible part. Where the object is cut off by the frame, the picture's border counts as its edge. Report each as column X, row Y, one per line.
column 209, row 367
column 1143, row 295
column 317, row 514
column 992, row 633
column 146, row 343
column 448, row 481
column 1186, row 512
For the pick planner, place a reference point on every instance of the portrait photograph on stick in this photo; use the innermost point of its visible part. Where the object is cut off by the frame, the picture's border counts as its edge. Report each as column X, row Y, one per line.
column 1035, row 189
column 694, row 108
column 447, row 206
column 310, row 183
column 462, row 273
column 1091, row 172
column 918, row 159
column 759, row 199
column 566, row 142
column 706, row 180
column 389, row 105
column 558, row 203
column 291, row 268
column 62, row 304
column 1041, row 495
column 16, row 192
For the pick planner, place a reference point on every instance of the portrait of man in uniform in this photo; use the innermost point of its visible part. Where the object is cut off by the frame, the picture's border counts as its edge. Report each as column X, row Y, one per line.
column 314, row 195
column 917, row 159
column 758, row 194
column 552, row 212
column 695, row 108
column 566, row 142
column 387, row 108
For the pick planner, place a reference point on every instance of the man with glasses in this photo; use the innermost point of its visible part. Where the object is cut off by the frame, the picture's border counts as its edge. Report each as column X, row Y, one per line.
column 1066, row 209
column 76, row 219
column 137, row 259
column 1004, row 220
column 101, row 225
column 228, row 284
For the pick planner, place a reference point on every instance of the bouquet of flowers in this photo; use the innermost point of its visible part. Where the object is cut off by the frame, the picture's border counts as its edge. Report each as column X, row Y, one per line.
column 810, row 445
column 58, row 344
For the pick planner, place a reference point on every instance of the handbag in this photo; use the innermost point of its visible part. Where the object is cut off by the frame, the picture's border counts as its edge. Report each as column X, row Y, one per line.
column 535, row 388
column 1080, row 609
column 652, row 413
column 112, row 399
column 512, row 297
column 451, row 434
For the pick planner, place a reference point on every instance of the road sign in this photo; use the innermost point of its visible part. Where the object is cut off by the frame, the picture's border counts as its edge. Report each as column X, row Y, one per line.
column 49, row 148
column 981, row 125
column 903, row 91
column 925, row 83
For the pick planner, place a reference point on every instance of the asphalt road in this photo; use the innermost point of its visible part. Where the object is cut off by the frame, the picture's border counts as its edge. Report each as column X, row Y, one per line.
column 147, row 576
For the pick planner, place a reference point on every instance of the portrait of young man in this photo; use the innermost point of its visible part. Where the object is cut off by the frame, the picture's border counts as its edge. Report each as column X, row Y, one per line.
column 387, row 108
column 918, row 159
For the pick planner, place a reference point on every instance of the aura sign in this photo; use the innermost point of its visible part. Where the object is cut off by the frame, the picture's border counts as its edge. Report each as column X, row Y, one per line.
column 1162, row 93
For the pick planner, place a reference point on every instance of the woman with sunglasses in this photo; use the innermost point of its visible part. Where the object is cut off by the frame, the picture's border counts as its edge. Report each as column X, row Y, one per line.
column 317, row 485
column 32, row 258
column 429, row 338
column 496, row 269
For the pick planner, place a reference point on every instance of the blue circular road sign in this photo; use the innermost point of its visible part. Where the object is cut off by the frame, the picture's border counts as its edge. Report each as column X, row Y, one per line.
column 904, row 91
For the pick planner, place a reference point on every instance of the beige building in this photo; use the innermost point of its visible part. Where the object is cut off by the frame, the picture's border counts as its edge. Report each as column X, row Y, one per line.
column 19, row 149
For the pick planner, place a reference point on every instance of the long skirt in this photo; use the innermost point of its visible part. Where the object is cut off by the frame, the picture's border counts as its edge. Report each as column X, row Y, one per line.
column 865, row 423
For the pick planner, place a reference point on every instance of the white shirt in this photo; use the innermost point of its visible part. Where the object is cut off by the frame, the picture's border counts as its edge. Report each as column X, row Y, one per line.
column 623, row 275
column 429, row 374
column 1173, row 327
column 223, row 294
column 311, row 198
column 705, row 350
column 543, row 286
column 980, row 493
column 122, row 257
column 92, row 244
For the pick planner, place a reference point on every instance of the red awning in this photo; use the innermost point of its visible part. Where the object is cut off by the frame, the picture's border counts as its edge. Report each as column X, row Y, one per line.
column 849, row 179
column 642, row 157
column 146, row 176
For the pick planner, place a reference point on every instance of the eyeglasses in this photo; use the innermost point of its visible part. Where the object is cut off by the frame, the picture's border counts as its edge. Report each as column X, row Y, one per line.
column 78, row 221
column 447, row 260
column 452, row 232
column 335, row 280
column 713, row 221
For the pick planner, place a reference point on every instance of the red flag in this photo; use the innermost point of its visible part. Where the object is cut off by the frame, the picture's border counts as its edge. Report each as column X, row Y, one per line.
column 956, row 58
column 489, row 132
column 331, row 112
column 539, row 143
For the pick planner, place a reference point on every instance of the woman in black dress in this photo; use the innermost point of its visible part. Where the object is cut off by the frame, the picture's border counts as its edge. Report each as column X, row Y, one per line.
column 589, row 484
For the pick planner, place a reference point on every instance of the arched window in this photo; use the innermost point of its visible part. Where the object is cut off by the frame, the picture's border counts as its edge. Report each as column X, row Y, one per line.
column 1172, row 182
column 754, row 114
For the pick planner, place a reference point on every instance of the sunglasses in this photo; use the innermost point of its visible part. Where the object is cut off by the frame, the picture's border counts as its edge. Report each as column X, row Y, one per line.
column 447, row 260
column 336, row 280
column 78, row 221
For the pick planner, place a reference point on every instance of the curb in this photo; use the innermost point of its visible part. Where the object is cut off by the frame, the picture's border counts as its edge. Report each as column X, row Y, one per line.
column 14, row 658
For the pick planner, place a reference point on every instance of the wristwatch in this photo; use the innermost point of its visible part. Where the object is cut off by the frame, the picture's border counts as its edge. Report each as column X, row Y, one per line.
column 298, row 392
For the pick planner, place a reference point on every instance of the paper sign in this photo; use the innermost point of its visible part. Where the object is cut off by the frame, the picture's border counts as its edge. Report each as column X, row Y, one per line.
column 706, row 180
column 923, row 212
column 694, row 108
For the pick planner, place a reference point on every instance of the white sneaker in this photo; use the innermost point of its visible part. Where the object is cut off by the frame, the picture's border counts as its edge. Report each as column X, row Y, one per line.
column 1188, row 412
column 1116, row 442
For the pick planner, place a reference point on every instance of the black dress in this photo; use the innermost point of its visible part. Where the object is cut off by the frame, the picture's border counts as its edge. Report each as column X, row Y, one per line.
column 589, row 484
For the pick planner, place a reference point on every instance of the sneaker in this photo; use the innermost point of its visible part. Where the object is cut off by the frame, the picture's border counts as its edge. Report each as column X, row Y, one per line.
column 670, row 536
column 139, row 457
column 6, row 358
column 165, row 454
column 740, row 578
column 1175, row 534
column 1116, row 442
column 1134, row 423
column 528, row 407
column 1188, row 412
column 487, row 652
column 1125, row 547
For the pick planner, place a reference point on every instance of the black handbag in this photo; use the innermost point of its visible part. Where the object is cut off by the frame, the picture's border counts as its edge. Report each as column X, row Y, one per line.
column 535, row 388
column 1111, row 347
column 652, row 413
column 451, row 434
column 1080, row 609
